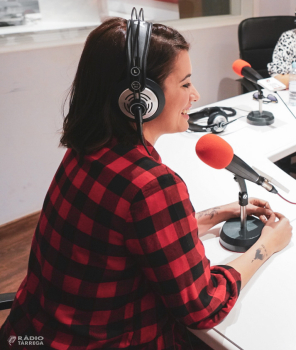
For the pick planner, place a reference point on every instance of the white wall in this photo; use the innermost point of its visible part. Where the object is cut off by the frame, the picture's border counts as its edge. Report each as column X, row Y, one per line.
column 274, row 7
column 70, row 10
column 212, row 52
column 32, row 88
column 34, row 83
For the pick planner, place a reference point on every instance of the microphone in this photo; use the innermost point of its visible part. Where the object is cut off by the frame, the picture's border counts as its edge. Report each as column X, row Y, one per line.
column 237, row 234
column 244, row 69
column 218, row 154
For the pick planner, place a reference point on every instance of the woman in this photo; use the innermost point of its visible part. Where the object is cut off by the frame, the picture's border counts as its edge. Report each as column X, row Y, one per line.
column 116, row 259
column 283, row 56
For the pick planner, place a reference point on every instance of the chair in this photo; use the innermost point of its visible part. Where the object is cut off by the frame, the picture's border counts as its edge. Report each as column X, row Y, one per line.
column 6, row 300
column 257, row 37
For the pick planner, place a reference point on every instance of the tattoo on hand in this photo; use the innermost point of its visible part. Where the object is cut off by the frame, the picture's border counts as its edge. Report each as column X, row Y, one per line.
column 261, row 253
column 209, row 212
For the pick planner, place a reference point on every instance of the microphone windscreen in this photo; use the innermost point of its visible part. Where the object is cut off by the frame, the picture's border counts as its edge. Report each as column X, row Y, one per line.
column 238, row 65
column 214, row 151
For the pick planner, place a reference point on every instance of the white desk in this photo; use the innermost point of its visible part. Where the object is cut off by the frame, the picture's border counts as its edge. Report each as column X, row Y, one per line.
column 264, row 317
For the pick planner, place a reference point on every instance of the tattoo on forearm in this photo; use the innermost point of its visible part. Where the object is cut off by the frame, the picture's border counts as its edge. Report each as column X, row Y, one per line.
column 209, row 212
column 261, row 253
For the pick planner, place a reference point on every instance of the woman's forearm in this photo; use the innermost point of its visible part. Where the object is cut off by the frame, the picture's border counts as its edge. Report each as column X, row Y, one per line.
column 275, row 236
column 207, row 219
column 249, row 262
column 283, row 78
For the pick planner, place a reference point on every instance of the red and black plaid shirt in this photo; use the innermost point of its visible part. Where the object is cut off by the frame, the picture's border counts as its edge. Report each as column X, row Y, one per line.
column 116, row 261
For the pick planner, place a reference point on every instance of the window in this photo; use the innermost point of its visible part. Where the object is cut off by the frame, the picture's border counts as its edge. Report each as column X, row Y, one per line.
column 200, row 8
column 44, row 21
column 13, row 12
column 166, row 10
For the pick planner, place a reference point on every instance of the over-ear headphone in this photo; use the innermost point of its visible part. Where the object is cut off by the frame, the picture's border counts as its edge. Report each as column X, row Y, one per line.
column 217, row 119
column 139, row 98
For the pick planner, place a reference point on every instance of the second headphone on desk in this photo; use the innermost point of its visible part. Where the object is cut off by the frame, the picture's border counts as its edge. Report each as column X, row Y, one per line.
column 217, row 119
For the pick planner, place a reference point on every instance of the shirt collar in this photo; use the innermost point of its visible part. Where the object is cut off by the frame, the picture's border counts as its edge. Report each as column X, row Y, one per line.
column 151, row 149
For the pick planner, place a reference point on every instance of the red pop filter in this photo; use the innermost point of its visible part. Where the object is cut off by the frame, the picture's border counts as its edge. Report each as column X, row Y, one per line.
column 214, row 151
column 238, row 65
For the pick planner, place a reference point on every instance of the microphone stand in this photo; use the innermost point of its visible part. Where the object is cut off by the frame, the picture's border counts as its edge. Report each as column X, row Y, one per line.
column 239, row 234
column 260, row 117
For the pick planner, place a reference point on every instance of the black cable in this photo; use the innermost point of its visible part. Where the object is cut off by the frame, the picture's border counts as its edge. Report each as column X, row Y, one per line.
column 224, row 124
column 285, row 104
column 137, row 110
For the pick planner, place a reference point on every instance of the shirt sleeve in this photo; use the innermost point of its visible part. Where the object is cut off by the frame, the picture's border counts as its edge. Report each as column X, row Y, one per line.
column 283, row 55
column 164, row 239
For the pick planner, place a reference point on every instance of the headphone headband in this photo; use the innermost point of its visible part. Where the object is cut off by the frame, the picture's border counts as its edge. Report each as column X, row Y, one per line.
column 138, row 40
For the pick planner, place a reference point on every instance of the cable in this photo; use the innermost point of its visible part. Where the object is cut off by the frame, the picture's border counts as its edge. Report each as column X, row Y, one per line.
column 137, row 110
column 285, row 104
column 224, row 124
column 286, row 199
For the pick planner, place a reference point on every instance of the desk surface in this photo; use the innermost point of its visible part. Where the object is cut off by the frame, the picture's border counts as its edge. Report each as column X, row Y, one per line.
column 263, row 317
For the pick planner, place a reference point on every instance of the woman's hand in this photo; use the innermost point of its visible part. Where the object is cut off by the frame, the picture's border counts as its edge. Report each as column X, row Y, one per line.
column 283, row 78
column 208, row 218
column 276, row 233
column 257, row 207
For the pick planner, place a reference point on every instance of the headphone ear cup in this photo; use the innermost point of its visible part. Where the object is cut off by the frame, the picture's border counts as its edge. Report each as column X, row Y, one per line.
column 152, row 96
column 156, row 104
column 216, row 119
column 213, row 117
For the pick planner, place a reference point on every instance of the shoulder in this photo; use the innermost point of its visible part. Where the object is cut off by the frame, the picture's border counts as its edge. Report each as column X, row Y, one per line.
column 151, row 175
column 129, row 166
column 288, row 36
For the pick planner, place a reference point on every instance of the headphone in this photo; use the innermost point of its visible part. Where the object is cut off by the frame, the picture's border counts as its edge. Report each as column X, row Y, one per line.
column 140, row 99
column 217, row 119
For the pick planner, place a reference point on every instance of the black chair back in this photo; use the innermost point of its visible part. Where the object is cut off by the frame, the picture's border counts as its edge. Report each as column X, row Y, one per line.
column 257, row 37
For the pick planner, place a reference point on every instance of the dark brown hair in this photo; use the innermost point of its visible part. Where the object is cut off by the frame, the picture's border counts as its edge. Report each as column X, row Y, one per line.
column 91, row 121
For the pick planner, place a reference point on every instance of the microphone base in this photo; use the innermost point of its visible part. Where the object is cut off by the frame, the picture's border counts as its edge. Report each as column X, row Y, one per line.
column 233, row 238
column 257, row 118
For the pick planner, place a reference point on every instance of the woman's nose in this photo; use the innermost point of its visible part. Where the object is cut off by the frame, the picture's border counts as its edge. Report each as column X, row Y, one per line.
column 194, row 94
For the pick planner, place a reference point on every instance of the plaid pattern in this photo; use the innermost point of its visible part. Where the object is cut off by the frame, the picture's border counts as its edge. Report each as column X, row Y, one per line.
column 116, row 261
